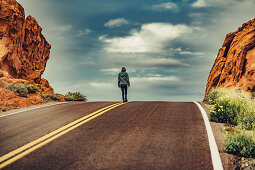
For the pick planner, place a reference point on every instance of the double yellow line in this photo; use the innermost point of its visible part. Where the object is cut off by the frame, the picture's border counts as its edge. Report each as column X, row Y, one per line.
column 30, row 147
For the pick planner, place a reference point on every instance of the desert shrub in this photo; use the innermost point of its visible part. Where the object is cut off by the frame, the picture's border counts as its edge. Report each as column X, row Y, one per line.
column 6, row 107
column 214, row 94
column 233, row 106
column 31, row 88
column 22, row 89
column 3, row 108
column 76, row 96
column 241, row 145
column 219, row 92
column 248, row 122
column 224, row 111
column 18, row 88
column 51, row 97
column 237, row 108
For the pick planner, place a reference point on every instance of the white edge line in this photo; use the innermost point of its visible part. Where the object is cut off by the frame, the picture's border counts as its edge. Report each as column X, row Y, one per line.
column 31, row 109
column 217, row 165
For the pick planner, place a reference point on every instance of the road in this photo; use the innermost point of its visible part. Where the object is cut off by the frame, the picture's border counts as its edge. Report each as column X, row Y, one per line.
column 135, row 135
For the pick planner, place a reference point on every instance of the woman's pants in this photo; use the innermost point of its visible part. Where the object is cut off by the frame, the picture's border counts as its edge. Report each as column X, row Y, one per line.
column 124, row 92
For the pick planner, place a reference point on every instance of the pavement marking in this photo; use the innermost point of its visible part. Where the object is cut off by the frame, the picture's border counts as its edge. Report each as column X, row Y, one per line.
column 217, row 165
column 30, row 147
column 31, row 109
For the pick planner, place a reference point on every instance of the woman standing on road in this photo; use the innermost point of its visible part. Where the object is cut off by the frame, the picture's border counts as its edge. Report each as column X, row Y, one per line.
column 123, row 83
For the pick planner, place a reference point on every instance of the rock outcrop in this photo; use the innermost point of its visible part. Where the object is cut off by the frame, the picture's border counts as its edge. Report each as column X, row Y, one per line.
column 24, row 51
column 234, row 66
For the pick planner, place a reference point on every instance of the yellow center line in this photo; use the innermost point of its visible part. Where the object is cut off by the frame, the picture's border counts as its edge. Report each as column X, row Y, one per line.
column 7, row 156
column 28, row 148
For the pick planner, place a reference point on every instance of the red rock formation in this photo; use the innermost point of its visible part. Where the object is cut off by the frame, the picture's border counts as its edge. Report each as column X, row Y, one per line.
column 24, row 53
column 234, row 66
column 24, row 50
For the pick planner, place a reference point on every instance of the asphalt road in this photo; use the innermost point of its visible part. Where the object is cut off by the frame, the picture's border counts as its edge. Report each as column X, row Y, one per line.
column 136, row 135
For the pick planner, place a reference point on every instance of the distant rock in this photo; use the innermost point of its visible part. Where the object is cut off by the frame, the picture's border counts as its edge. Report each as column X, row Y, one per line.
column 234, row 66
column 24, row 50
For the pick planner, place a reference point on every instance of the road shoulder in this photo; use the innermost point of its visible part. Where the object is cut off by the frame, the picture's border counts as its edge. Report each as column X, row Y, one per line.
column 228, row 160
column 14, row 111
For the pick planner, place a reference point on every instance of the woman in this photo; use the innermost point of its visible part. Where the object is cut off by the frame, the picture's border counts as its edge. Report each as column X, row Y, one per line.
column 123, row 83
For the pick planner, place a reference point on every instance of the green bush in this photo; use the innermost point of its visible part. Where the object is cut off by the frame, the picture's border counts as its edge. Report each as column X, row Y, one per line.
column 18, row 88
column 51, row 97
column 233, row 106
column 225, row 111
column 4, row 108
column 219, row 92
column 22, row 89
column 241, row 145
column 77, row 96
column 237, row 108
column 214, row 94
column 248, row 122
column 31, row 88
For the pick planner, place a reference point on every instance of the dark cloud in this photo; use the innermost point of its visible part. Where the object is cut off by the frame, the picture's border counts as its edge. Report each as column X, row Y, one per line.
column 162, row 67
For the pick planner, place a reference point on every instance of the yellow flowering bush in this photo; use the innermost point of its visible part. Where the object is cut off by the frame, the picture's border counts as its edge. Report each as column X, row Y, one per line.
column 232, row 106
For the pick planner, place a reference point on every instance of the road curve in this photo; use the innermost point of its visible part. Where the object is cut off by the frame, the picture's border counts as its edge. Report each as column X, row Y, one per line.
column 137, row 135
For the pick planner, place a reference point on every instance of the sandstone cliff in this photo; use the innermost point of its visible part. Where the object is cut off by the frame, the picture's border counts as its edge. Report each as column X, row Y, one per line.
column 24, row 53
column 234, row 66
column 24, row 50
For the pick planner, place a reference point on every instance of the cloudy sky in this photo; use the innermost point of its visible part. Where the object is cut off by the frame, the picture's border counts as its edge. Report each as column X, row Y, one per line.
column 168, row 47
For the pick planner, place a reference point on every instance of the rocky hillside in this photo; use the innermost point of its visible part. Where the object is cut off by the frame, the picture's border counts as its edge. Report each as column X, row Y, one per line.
column 24, row 53
column 235, row 63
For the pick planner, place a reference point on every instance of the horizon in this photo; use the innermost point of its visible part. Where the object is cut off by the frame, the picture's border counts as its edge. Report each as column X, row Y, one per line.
column 168, row 47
